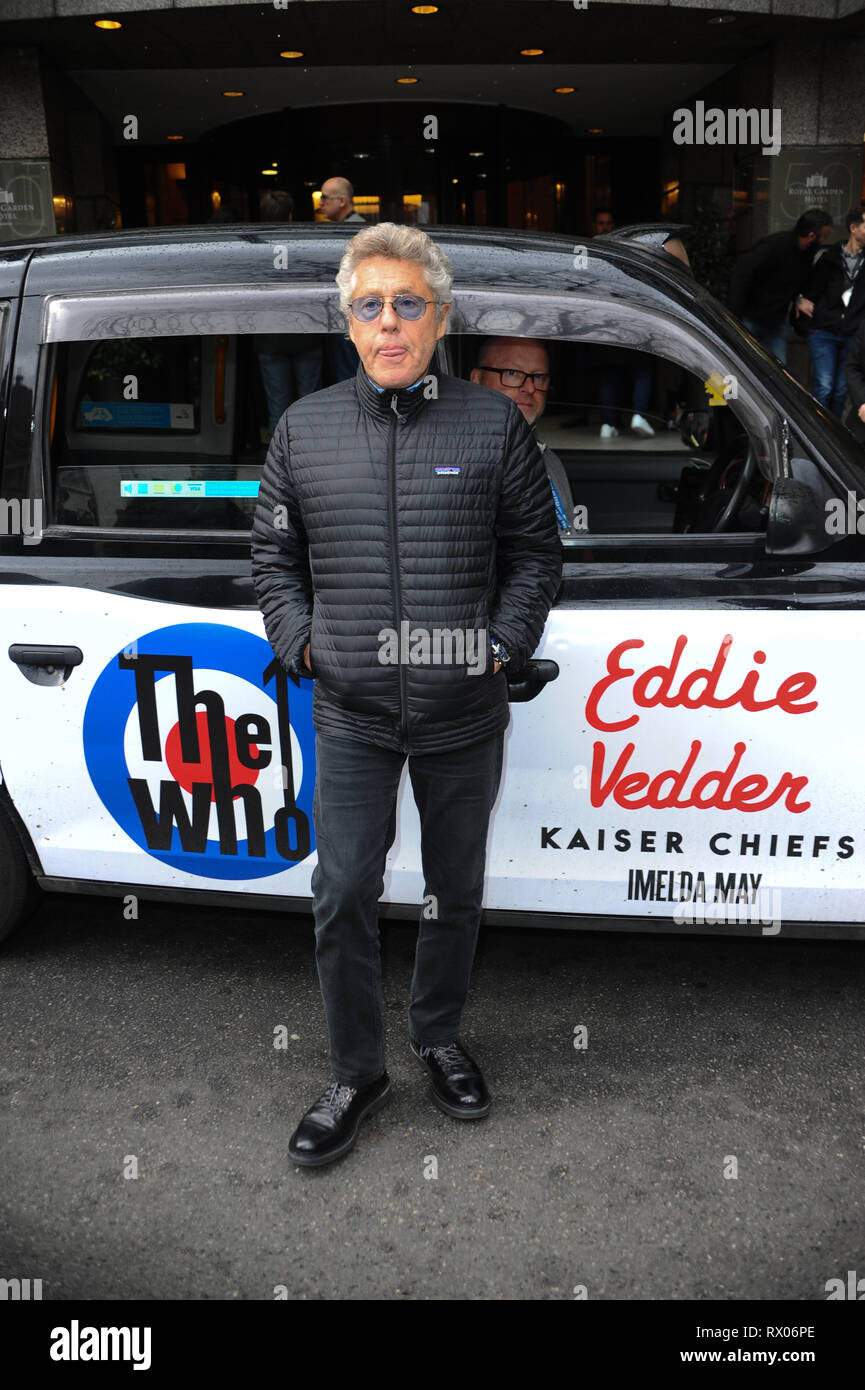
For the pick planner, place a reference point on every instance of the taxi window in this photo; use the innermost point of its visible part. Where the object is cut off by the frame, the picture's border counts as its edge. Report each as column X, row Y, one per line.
column 635, row 443
column 4, row 383
column 168, row 432
column 145, row 386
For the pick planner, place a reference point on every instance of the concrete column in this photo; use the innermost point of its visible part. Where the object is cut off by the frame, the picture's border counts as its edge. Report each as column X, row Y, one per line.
column 23, row 132
column 818, row 87
column 26, row 207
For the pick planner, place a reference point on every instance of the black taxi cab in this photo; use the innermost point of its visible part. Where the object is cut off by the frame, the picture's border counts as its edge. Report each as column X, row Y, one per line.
column 685, row 749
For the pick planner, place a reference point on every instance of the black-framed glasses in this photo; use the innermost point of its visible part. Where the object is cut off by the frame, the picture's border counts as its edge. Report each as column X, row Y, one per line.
column 408, row 306
column 322, row 196
column 511, row 377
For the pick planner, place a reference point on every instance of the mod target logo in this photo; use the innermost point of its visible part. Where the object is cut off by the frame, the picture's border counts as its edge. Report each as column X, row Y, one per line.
column 196, row 749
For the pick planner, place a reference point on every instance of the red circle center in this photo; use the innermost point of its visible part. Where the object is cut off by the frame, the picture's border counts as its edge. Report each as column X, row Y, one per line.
column 186, row 773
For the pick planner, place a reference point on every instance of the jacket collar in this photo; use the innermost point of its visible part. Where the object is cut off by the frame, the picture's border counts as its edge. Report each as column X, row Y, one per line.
column 404, row 403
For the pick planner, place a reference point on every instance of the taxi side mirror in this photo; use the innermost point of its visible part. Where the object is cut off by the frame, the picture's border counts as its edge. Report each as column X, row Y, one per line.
column 797, row 521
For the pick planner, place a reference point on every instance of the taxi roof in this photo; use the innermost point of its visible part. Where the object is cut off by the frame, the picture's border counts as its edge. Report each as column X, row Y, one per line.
column 215, row 254
column 627, row 265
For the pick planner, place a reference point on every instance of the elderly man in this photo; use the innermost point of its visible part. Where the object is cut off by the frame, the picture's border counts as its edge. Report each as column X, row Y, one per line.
column 395, row 508
column 520, row 368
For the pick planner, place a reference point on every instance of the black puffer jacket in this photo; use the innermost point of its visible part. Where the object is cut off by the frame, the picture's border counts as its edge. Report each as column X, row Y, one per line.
column 768, row 276
column 381, row 509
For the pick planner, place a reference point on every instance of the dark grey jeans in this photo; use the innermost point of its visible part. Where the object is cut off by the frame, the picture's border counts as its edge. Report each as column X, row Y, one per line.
column 355, row 823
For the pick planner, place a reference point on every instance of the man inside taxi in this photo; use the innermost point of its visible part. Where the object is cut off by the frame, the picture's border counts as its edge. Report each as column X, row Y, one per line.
column 404, row 499
column 520, row 368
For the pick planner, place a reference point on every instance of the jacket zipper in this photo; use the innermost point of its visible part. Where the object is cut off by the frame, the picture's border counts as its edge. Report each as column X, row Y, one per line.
column 395, row 585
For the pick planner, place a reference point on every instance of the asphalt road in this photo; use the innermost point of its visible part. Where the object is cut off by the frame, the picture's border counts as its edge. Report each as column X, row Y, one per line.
column 601, row 1167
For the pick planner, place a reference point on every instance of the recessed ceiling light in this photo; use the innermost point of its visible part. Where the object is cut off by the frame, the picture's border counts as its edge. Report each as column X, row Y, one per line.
column 596, row 130
column 174, row 137
column 562, row 90
column 234, row 94
column 424, row 9
column 531, row 52
column 292, row 53
column 454, row 180
column 360, row 154
column 407, row 81
column 107, row 24
column 476, row 154
column 271, row 173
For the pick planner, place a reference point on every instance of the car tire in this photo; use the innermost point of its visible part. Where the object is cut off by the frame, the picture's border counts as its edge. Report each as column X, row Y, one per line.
column 19, row 894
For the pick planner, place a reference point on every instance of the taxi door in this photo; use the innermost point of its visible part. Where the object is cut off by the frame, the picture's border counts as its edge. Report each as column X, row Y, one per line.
column 149, row 736
column 695, row 763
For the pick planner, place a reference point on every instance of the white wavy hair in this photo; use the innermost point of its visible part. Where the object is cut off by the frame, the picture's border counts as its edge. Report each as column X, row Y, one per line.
column 398, row 244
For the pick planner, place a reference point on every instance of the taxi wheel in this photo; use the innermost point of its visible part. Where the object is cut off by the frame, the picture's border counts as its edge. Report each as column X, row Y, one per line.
column 18, row 892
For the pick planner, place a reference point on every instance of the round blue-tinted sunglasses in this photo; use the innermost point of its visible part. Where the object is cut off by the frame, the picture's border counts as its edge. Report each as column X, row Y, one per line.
column 407, row 306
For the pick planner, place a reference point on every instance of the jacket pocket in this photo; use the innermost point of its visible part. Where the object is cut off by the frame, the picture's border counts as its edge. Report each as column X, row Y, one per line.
column 313, row 638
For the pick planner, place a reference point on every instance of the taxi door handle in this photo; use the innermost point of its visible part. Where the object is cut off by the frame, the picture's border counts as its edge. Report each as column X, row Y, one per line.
column 532, row 679
column 44, row 665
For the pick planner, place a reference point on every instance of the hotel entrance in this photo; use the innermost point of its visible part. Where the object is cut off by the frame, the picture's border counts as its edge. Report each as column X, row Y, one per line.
column 459, row 165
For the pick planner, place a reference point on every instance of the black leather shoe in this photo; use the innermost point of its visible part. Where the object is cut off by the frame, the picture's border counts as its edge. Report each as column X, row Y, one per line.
column 458, row 1086
column 330, row 1127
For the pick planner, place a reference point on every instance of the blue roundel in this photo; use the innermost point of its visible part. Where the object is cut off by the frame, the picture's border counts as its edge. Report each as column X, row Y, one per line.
column 211, row 746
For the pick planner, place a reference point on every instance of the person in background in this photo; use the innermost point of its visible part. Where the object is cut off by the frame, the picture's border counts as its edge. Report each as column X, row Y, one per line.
column 520, row 368
column 674, row 246
column 289, row 363
column 612, row 377
column 603, row 221
column 229, row 210
column 855, row 372
column 337, row 204
column 774, row 273
column 835, row 305
column 275, row 205
column 336, row 201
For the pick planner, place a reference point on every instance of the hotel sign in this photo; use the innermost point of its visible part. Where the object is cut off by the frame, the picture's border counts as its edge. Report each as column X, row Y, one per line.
column 26, row 209
column 815, row 177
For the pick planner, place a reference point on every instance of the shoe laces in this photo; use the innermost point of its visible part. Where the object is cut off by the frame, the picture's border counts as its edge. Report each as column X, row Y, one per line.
column 338, row 1097
column 449, row 1055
